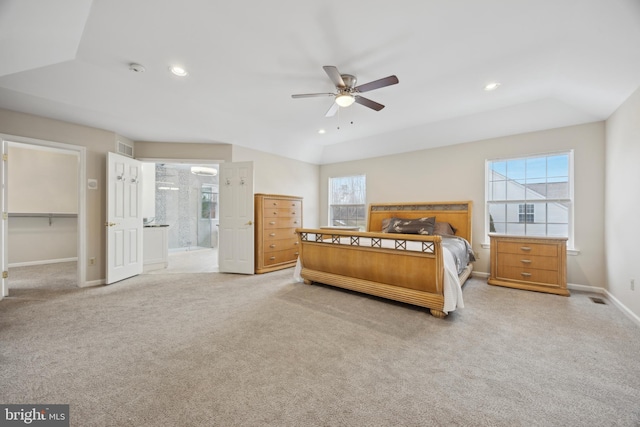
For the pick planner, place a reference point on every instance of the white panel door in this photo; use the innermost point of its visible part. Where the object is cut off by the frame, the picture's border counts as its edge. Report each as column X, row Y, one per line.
column 236, row 237
column 124, row 217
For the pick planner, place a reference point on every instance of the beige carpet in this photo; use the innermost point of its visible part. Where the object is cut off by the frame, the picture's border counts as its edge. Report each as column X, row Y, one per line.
column 225, row 350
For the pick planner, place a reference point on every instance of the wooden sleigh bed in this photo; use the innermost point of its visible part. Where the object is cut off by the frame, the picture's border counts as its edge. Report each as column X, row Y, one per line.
column 412, row 268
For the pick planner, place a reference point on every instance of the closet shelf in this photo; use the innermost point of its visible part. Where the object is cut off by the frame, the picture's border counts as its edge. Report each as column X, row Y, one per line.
column 51, row 216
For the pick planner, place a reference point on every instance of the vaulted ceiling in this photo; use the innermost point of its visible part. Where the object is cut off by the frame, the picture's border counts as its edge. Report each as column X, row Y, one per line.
column 558, row 62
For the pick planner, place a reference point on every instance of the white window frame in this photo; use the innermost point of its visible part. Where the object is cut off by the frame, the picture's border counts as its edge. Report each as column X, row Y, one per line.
column 330, row 194
column 571, row 200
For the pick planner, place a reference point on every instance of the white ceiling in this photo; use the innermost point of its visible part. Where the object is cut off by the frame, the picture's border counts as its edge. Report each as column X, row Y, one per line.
column 559, row 62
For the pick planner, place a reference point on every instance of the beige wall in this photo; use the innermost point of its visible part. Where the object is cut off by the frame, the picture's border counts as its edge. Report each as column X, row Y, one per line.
column 182, row 151
column 41, row 181
column 279, row 175
column 97, row 142
column 622, row 231
column 457, row 173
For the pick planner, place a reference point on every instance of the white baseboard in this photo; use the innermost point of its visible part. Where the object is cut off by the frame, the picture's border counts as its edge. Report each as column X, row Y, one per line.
column 584, row 288
column 42, row 262
column 630, row 314
column 480, row 274
column 92, row 283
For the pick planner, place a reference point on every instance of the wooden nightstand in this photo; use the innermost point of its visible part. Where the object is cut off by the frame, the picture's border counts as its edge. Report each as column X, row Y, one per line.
column 530, row 263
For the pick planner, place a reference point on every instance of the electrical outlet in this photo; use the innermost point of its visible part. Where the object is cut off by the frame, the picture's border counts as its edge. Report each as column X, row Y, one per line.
column 633, row 284
column 92, row 260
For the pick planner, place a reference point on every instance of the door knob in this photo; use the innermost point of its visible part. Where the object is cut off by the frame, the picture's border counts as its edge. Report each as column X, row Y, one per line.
column 249, row 223
column 110, row 224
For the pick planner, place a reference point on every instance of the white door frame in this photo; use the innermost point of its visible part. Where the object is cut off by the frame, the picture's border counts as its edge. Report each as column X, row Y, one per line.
column 82, row 196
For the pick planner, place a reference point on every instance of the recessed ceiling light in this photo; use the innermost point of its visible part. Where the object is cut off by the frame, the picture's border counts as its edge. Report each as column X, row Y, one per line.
column 322, row 131
column 178, row 71
column 491, row 86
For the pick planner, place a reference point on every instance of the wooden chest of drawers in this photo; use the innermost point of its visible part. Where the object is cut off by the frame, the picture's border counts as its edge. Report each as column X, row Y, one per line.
column 531, row 263
column 277, row 218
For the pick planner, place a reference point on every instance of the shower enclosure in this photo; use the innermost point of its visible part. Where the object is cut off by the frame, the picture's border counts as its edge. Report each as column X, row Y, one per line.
column 187, row 200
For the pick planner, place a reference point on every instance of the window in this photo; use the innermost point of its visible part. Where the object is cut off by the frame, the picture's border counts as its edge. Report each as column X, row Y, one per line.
column 526, row 213
column 531, row 196
column 209, row 204
column 347, row 204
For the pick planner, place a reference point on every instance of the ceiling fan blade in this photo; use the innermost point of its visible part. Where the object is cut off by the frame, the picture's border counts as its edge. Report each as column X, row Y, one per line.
column 332, row 110
column 334, row 75
column 312, row 95
column 368, row 103
column 377, row 84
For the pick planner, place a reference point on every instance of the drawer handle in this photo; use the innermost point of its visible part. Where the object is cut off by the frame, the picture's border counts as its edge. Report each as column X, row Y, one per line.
column 525, row 248
column 272, row 234
column 272, row 223
column 275, row 203
column 526, row 274
column 272, row 246
column 296, row 243
column 295, row 222
column 293, row 212
column 272, row 258
column 525, row 261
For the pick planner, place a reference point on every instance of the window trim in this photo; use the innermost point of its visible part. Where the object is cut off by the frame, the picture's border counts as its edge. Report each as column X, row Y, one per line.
column 570, row 200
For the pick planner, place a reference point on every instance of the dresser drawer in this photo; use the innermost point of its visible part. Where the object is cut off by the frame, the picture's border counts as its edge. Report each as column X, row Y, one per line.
column 281, row 244
column 281, row 212
column 280, row 203
column 279, row 234
column 270, row 223
column 527, row 248
column 548, row 277
column 529, row 261
column 279, row 257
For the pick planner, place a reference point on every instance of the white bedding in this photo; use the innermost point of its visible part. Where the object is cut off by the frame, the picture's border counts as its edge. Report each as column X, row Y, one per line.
column 451, row 286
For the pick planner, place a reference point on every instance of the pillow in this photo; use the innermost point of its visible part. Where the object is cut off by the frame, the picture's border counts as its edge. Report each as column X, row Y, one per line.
column 444, row 229
column 411, row 226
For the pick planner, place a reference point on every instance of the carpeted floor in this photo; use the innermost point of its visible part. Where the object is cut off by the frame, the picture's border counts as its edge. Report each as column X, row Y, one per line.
column 214, row 349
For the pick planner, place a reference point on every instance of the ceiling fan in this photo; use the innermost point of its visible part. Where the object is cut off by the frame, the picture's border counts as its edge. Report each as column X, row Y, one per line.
column 347, row 91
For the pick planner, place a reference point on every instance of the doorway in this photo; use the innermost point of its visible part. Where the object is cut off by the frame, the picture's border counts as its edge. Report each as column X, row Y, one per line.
column 186, row 200
column 43, row 240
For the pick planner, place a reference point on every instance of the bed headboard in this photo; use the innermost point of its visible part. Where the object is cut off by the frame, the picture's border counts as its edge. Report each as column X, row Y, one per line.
column 458, row 214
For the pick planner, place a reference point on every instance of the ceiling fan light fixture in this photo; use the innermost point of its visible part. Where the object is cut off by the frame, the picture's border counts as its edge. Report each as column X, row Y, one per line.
column 345, row 99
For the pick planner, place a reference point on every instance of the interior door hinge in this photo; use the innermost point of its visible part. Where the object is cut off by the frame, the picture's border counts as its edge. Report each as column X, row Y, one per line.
column 5, row 274
column 5, row 215
column 5, row 157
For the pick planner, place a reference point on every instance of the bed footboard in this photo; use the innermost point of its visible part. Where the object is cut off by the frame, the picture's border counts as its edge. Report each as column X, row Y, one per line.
column 405, row 268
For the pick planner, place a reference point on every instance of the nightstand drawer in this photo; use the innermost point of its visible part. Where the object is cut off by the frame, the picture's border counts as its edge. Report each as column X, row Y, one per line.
column 527, row 248
column 528, row 274
column 528, row 261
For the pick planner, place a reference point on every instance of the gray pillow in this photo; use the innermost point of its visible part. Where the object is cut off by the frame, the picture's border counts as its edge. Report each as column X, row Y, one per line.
column 444, row 229
column 411, row 226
